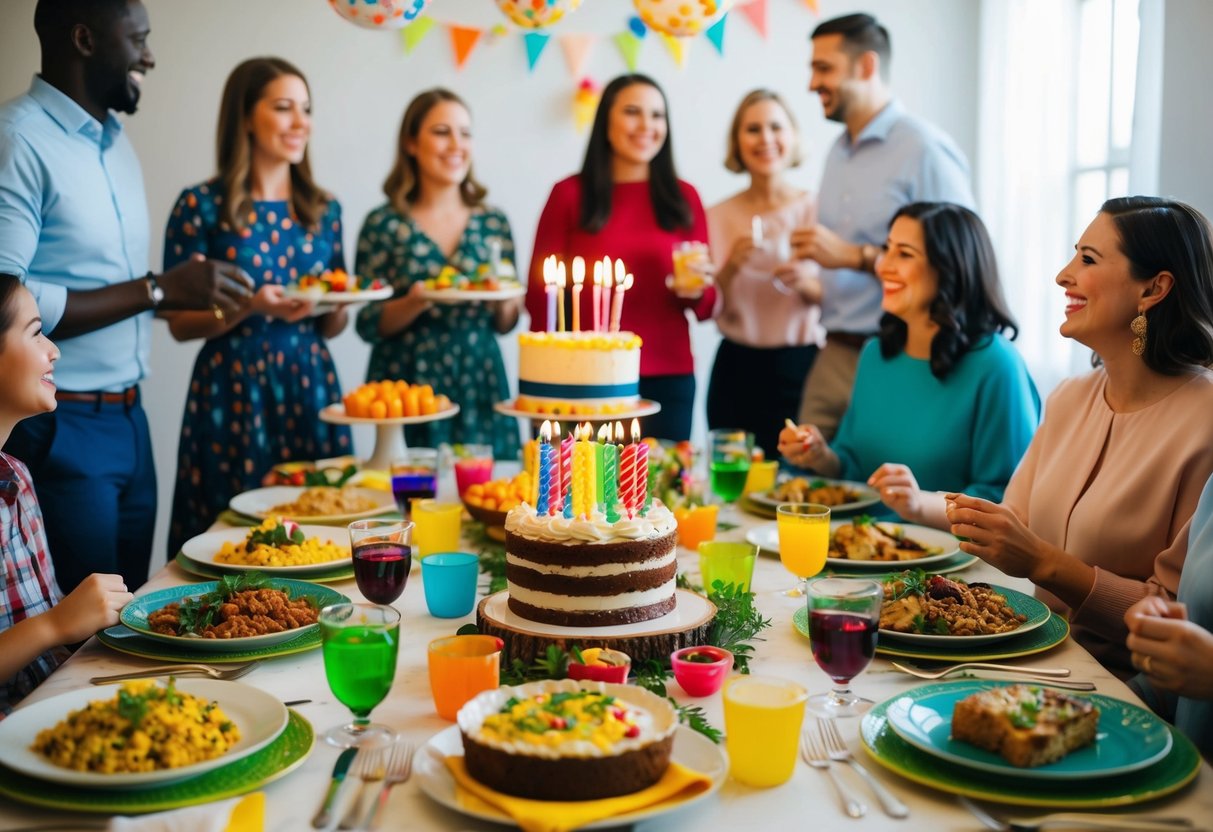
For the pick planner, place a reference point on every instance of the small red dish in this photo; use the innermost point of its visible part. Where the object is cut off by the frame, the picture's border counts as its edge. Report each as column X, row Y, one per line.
column 701, row 670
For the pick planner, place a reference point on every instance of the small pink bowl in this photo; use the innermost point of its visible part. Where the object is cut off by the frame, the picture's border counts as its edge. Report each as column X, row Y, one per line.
column 700, row 678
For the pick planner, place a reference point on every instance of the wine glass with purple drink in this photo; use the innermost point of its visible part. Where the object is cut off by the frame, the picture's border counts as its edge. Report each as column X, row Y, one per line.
column 844, row 615
column 383, row 555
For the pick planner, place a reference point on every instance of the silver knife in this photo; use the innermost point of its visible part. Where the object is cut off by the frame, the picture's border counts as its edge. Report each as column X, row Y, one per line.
column 324, row 815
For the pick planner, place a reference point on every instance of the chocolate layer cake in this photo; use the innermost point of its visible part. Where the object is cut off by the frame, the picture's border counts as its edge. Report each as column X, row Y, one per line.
column 567, row 740
column 589, row 573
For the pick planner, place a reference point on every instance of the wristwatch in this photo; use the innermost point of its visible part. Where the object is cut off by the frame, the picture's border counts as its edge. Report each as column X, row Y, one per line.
column 868, row 254
column 154, row 293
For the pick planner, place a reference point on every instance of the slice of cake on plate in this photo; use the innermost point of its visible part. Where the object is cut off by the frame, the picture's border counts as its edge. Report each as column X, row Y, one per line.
column 1027, row 724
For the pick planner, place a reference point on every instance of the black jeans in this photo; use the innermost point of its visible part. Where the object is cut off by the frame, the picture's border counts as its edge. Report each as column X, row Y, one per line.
column 676, row 395
column 756, row 388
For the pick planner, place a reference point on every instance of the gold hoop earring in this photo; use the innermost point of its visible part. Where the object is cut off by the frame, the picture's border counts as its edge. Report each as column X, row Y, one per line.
column 1138, row 328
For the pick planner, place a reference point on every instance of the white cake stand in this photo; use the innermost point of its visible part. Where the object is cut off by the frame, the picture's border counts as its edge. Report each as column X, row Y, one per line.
column 389, row 438
column 644, row 407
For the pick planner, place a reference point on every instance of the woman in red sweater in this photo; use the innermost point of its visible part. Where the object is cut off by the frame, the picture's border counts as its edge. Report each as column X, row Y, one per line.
column 629, row 204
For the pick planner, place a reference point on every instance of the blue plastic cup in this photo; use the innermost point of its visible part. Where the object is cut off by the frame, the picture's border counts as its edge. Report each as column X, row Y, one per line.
column 449, row 579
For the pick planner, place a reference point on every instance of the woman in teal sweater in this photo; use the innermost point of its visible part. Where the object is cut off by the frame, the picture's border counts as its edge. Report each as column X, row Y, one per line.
column 942, row 401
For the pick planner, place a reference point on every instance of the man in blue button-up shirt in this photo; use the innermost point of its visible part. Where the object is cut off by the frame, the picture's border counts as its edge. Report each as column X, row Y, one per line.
column 884, row 159
column 74, row 226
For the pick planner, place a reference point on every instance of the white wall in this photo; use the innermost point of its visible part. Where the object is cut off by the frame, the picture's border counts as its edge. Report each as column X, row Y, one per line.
column 1187, row 109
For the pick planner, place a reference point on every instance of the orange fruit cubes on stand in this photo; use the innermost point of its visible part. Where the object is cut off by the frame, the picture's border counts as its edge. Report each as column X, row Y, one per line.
column 499, row 495
column 392, row 400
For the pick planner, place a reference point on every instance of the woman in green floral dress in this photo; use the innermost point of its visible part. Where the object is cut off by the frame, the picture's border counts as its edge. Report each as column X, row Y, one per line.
column 435, row 216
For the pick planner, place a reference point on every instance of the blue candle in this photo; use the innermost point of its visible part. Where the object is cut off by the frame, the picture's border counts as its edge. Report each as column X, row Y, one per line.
column 545, row 469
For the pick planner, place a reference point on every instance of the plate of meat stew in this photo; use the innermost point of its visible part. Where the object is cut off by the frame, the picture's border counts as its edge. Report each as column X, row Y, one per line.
column 867, row 542
column 839, row 495
column 921, row 608
column 237, row 613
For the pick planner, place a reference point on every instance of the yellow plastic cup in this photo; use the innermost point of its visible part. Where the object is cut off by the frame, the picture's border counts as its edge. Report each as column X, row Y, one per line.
column 762, row 719
column 761, row 477
column 461, row 667
column 695, row 525
column 436, row 526
column 728, row 562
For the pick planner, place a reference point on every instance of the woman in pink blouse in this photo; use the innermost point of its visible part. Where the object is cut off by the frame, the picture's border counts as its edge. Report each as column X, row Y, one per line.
column 1097, row 514
column 36, row 620
column 768, row 315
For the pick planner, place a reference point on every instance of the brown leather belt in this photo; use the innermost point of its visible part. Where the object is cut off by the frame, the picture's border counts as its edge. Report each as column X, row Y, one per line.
column 127, row 397
column 853, row 340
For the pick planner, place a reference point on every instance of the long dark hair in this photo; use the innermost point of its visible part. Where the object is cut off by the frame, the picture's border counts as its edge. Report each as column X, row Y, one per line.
column 1158, row 235
column 968, row 304
column 597, row 179
column 9, row 284
column 403, row 185
column 234, row 146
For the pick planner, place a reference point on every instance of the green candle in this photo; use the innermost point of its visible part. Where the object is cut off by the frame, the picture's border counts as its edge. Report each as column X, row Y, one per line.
column 600, row 457
column 610, row 480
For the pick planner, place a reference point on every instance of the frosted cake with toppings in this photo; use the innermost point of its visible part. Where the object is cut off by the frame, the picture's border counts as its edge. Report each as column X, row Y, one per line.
column 563, row 373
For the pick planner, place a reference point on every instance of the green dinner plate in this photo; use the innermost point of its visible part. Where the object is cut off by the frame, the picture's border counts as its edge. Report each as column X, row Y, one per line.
column 322, row 575
column 1171, row 773
column 1035, row 611
column 1129, row 737
column 1045, row 637
column 280, row 757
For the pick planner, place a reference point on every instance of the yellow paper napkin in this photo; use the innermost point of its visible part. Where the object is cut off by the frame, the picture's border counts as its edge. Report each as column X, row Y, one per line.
column 241, row 814
column 678, row 784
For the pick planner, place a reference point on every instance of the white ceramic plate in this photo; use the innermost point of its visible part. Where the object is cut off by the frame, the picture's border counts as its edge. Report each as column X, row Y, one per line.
column 690, row 749
column 324, row 298
column 259, row 716
column 867, row 495
column 335, row 413
column 205, row 547
column 642, row 408
column 258, row 503
column 469, row 295
column 766, row 536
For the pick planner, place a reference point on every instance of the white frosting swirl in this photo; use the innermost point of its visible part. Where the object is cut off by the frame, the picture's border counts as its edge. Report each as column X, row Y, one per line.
column 523, row 521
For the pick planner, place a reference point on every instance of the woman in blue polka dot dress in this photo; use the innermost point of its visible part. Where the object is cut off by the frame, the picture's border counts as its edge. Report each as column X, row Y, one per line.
column 262, row 377
column 435, row 216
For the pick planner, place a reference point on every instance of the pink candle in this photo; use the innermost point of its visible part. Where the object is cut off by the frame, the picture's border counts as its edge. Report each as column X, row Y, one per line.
column 578, row 279
column 566, row 472
column 560, row 284
column 597, row 298
column 617, row 306
column 608, row 280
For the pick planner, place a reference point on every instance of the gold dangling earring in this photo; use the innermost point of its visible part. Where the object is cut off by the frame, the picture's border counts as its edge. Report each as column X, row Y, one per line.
column 1138, row 328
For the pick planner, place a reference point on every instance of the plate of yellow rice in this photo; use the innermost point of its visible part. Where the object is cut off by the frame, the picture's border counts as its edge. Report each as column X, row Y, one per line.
column 139, row 733
column 232, row 551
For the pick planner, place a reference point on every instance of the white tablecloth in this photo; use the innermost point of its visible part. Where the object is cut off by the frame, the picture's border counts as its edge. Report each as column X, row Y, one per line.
column 807, row 801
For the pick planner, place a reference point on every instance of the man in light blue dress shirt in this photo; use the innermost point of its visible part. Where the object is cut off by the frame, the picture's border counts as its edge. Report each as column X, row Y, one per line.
column 74, row 226
column 884, row 159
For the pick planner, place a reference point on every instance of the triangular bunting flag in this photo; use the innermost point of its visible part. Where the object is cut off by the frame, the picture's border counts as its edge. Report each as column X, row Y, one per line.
column 678, row 47
column 415, row 33
column 535, row 43
column 463, row 40
column 715, row 33
column 756, row 11
column 576, row 51
column 629, row 47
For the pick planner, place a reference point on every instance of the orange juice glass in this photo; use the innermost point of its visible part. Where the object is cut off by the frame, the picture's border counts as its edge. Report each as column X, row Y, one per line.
column 696, row 525
column 762, row 719
column 804, row 538
column 460, row 668
column 436, row 526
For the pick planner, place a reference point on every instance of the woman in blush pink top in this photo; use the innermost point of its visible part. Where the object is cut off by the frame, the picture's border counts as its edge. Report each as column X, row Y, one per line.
column 768, row 312
column 1097, row 514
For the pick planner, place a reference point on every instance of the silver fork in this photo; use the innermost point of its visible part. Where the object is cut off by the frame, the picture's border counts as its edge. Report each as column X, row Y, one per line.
column 1051, row 672
column 838, row 751
column 1079, row 820
column 816, row 756
column 368, row 767
column 397, row 769
column 227, row 673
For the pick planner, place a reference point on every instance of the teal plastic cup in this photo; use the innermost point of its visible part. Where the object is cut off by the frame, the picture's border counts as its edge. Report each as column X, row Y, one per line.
column 450, row 579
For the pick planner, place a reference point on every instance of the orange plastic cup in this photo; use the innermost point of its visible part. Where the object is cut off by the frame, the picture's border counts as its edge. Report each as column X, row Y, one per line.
column 696, row 525
column 460, row 668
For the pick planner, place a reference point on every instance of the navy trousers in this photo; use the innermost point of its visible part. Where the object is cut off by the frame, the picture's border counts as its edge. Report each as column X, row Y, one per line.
column 676, row 394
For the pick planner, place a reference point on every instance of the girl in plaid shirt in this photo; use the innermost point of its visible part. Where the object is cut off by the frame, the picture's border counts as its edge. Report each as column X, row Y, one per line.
column 36, row 620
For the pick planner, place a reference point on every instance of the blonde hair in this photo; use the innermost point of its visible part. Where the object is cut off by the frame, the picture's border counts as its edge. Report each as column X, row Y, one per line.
column 403, row 184
column 732, row 156
column 234, row 146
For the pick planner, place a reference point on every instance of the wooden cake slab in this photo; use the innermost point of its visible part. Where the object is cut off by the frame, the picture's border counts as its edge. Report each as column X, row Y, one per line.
column 686, row 626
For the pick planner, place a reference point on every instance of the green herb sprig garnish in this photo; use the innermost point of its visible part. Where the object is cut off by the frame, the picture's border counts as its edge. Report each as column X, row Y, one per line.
column 276, row 537
column 197, row 613
column 324, row 476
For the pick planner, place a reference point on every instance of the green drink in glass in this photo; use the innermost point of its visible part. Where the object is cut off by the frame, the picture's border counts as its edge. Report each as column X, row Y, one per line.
column 729, row 463
column 360, row 643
